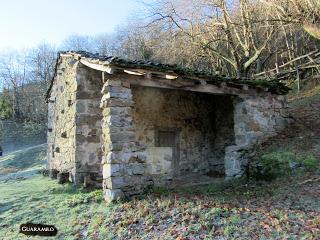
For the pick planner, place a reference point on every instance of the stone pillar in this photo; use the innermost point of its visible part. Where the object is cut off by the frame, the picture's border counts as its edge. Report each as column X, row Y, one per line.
column 123, row 165
column 255, row 120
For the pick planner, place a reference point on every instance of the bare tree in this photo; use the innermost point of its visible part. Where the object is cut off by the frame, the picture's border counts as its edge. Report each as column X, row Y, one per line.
column 41, row 62
column 13, row 75
column 26, row 76
column 78, row 42
column 236, row 37
column 300, row 12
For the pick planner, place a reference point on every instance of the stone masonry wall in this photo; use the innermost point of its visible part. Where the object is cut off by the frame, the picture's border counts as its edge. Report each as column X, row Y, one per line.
column 115, row 132
column 130, row 115
column 123, row 162
column 61, row 123
column 88, row 125
column 256, row 119
column 74, row 123
column 203, row 122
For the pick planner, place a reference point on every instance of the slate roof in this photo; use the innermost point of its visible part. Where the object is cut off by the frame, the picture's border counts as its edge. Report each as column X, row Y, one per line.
column 273, row 86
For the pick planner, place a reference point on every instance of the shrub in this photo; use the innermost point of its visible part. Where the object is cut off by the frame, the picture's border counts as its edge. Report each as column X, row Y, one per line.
column 310, row 163
column 272, row 165
column 276, row 164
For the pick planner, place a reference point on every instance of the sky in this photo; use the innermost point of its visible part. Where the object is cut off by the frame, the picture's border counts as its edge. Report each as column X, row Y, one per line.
column 26, row 23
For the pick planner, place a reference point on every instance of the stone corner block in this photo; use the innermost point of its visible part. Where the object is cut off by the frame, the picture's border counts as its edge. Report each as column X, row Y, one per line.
column 111, row 170
column 116, row 158
column 111, row 195
column 117, row 182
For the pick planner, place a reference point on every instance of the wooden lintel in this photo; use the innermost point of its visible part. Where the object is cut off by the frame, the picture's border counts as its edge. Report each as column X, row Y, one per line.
column 97, row 66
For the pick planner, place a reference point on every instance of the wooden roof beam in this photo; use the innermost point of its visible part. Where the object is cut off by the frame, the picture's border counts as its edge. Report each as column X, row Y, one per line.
column 149, row 73
column 99, row 67
column 134, row 72
column 186, row 85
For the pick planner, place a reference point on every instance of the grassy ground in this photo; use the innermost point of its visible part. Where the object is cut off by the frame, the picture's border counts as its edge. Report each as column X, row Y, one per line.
column 283, row 209
column 22, row 163
column 286, row 208
column 16, row 135
column 40, row 200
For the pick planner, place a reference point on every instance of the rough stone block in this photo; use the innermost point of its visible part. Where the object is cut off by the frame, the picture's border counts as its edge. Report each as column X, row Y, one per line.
column 109, row 146
column 138, row 158
column 112, row 82
column 114, row 102
column 93, row 139
column 80, row 106
column 80, row 139
column 122, row 137
column 115, row 89
column 120, row 95
column 119, row 111
column 116, row 157
column 117, row 182
column 111, row 170
column 234, row 162
column 113, row 195
column 125, row 84
column 118, row 121
column 86, row 95
column 87, row 119
column 110, row 130
column 136, row 169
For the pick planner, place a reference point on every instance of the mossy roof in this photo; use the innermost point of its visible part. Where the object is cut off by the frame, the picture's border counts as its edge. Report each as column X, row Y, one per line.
column 273, row 86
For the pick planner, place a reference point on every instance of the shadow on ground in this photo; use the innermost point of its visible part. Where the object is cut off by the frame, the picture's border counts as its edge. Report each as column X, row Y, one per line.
column 22, row 163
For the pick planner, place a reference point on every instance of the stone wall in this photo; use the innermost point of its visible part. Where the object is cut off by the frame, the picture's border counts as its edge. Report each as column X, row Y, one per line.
column 61, row 118
column 131, row 118
column 88, row 125
column 202, row 122
column 123, row 161
column 140, row 136
column 256, row 119
column 74, row 123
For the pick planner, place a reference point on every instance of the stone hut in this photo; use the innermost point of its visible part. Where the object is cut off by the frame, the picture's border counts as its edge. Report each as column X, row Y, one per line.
column 131, row 124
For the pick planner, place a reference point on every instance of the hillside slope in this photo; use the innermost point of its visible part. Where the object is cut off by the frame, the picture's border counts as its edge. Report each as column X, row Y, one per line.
column 23, row 163
column 18, row 135
column 303, row 134
column 286, row 208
